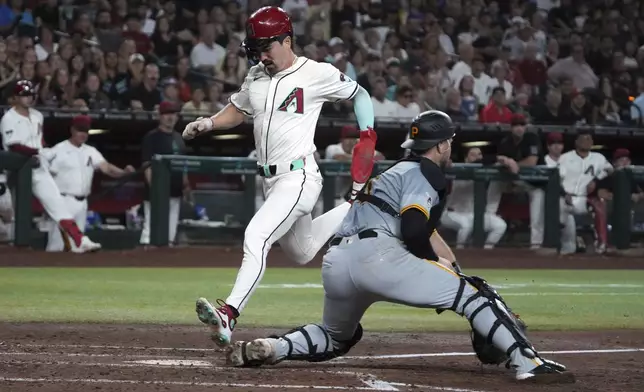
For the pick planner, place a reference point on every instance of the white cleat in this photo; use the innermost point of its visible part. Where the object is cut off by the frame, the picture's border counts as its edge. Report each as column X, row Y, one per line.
column 220, row 320
column 549, row 372
column 86, row 246
column 248, row 354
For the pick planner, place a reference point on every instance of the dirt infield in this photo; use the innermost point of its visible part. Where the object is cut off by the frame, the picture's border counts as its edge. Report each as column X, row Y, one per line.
column 231, row 257
column 142, row 358
column 46, row 357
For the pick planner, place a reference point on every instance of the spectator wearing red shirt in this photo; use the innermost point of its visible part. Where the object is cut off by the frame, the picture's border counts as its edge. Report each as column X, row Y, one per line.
column 142, row 41
column 533, row 70
column 496, row 112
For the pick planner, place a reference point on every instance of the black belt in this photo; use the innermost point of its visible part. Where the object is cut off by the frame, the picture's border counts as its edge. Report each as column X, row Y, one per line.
column 369, row 233
column 79, row 198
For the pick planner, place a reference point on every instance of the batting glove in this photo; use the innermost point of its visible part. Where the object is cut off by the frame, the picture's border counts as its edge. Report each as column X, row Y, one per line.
column 200, row 125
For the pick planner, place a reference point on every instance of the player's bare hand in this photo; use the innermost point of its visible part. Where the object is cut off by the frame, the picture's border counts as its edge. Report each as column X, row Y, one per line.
column 568, row 199
column 129, row 169
column 200, row 125
column 636, row 197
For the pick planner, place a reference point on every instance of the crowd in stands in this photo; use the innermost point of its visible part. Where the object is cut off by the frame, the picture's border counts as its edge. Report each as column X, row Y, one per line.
column 555, row 61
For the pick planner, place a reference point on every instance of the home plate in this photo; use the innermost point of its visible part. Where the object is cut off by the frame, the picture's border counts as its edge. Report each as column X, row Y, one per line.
column 173, row 362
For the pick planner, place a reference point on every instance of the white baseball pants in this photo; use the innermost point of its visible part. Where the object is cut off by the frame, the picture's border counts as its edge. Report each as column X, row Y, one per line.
column 45, row 189
column 567, row 214
column 286, row 217
column 463, row 224
column 173, row 221
column 6, row 213
column 57, row 239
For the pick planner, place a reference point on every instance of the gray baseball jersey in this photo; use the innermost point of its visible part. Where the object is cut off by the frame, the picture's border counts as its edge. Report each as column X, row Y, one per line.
column 403, row 186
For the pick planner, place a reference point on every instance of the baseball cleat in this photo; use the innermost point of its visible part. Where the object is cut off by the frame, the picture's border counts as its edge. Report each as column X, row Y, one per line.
column 221, row 320
column 249, row 354
column 550, row 372
column 86, row 246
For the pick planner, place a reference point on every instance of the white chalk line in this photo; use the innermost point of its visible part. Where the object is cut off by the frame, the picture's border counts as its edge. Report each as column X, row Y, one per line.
column 498, row 286
column 467, row 354
column 112, row 347
column 179, row 383
column 372, row 382
column 385, row 387
column 168, row 357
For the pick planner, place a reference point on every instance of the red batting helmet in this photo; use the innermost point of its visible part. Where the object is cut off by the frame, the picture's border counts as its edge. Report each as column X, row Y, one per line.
column 24, row 88
column 264, row 26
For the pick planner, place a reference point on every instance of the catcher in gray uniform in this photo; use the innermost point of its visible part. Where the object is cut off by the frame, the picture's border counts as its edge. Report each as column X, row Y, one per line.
column 383, row 252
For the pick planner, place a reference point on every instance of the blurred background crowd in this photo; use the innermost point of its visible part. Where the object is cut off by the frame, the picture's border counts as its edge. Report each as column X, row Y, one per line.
column 555, row 61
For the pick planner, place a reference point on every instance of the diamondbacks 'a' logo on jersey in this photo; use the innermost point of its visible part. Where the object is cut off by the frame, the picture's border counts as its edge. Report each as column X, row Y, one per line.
column 590, row 170
column 89, row 161
column 294, row 103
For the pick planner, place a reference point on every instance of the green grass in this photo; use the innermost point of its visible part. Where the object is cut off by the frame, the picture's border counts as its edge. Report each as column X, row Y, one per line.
column 551, row 300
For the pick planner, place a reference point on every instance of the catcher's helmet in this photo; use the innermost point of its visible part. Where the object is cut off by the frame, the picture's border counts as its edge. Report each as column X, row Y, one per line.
column 264, row 26
column 428, row 129
column 24, row 88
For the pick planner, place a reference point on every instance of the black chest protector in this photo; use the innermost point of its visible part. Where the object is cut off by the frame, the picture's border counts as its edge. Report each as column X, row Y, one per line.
column 436, row 178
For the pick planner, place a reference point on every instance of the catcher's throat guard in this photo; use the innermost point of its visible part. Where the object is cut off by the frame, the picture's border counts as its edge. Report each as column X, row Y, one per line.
column 483, row 346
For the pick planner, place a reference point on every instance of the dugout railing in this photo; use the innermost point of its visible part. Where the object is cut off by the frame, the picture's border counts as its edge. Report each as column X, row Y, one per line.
column 162, row 166
column 21, row 173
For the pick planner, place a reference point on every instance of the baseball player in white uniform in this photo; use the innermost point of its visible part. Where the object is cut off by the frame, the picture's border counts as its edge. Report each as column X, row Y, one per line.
column 580, row 169
column 259, row 189
column 284, row 94
column 72, row 165
column 459, row 213
column 6, row 210
column 21, row 128
column 555, row 146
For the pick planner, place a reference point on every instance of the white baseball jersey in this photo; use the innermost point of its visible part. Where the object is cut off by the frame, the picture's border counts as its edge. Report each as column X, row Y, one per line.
column 73, row 167
column 461, row 198
column 551, row 162
column 23, row 130
column 285, row 107
column 577, row 172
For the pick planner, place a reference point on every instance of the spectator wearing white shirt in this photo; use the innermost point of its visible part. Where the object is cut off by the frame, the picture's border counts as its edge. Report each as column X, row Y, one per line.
column 46, row 44
column 483, row 83
column 406, row 108
column 207, row 54
column 384, row 109
column 298, row 11
column 469, row 36
column 575, row 68
column 499, row 73
column 464, row 66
